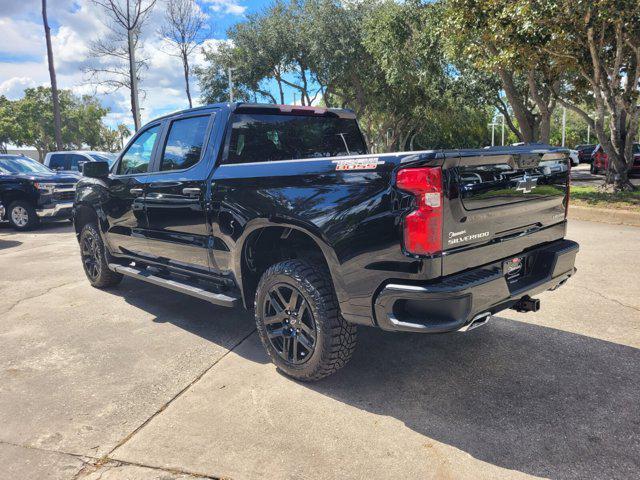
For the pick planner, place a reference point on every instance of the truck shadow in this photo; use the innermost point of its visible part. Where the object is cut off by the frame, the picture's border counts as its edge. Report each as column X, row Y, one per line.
column 533, row 399
column 223, row 326
column 524, row 397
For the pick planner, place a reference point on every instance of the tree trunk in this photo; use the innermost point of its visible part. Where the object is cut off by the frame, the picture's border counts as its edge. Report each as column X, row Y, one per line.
column 185, row 64
column 544, row 132
column 133, row 76
column 526, row 120
column 279, row 80
column 57, row 123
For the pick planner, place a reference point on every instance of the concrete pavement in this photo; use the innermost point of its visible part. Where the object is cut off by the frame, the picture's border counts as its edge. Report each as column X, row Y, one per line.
column 138, row 382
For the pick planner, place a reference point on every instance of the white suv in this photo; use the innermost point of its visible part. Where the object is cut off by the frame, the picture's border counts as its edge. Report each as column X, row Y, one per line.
column 72, row 161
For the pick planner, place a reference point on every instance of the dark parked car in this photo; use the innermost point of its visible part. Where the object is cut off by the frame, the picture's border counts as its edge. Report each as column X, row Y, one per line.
column 600, row 161
column 29, row 192
column 584, row 152
column 282, row 209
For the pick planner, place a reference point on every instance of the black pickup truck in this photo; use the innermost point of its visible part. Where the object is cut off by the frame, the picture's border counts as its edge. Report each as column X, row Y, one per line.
column 31, row 192
column 281, row 209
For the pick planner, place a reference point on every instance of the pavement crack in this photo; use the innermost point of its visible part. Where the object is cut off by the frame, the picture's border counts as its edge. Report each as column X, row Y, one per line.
column 91, row 464
column 24, row 299
column 176, row 396
column 47, row 450
column 110, row 464
column 600, row 294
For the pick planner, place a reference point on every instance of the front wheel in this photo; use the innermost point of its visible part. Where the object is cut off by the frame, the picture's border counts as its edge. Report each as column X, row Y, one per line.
column 299, row 323
column 22, row 216
column 94, row 258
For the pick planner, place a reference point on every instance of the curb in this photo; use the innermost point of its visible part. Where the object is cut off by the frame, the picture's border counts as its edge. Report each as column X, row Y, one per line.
column 604, row 215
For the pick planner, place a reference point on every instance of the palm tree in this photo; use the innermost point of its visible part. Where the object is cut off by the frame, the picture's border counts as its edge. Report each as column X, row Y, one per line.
column 57, row 124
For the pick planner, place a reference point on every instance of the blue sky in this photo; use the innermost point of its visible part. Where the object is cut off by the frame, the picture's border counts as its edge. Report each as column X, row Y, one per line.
column 75, row 23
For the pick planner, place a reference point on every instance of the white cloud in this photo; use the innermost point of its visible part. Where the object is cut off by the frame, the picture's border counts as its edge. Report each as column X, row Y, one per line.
column 21, row 37
column 232, row 7
column 75, row 23
column 14, row 87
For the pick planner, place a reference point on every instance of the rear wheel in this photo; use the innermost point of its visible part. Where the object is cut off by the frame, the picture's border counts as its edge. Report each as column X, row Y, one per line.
column 94, row 258
column 22, row 215
column 299, row 323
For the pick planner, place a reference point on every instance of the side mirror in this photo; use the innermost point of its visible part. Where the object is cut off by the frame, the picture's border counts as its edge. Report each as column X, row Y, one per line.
column 95, row 169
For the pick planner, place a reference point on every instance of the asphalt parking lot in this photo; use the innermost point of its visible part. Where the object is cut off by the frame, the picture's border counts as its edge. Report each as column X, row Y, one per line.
column 142, row 383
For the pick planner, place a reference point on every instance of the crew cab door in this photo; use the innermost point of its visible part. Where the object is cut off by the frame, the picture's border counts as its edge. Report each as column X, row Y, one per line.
column 178, row 233
column 125, row 211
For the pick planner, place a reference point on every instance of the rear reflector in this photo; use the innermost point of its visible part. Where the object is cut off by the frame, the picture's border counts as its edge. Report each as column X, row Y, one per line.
column 423, row 226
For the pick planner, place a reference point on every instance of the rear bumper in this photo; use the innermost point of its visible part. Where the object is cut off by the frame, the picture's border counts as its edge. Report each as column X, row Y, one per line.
column 453, row 302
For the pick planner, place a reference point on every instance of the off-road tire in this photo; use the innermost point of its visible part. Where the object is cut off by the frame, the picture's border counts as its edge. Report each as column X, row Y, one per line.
column 32, row 218
column 335, row 338
column 97, row 267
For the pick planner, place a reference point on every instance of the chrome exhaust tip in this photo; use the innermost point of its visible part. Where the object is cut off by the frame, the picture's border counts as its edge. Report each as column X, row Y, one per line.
column 477, row 321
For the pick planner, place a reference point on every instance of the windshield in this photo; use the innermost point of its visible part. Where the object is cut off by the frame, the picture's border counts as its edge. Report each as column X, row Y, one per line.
column 264, row 137
column 110, row 158
column 18, row 165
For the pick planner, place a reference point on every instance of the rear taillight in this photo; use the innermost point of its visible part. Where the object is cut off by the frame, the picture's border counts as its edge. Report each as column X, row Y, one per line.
column 423, row 226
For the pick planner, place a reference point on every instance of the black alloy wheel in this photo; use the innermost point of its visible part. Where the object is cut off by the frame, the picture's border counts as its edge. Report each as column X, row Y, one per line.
column 298, row 320
column 95, row 258
column 90, row 252
column 289, row 323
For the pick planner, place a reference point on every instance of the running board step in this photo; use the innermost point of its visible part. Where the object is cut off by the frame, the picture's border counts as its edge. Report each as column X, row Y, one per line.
column 194, row 291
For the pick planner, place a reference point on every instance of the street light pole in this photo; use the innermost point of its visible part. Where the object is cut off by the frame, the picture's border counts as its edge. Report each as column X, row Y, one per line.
column 493, row 126
column 503, row 130
column 230, row 87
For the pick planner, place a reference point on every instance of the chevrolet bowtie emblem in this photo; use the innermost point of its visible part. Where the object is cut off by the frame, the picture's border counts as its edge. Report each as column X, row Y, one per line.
column 527, row 184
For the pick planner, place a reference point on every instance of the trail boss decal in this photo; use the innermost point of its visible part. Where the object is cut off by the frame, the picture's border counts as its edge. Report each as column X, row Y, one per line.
column 460, row 237
column 358, row 164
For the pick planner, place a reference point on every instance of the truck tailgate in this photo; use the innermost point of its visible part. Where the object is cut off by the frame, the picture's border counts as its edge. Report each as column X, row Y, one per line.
column 499, row 203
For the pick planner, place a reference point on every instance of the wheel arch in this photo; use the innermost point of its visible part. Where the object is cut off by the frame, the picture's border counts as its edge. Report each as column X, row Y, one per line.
column 12, row 195
column 267, row 244
column 83, row 213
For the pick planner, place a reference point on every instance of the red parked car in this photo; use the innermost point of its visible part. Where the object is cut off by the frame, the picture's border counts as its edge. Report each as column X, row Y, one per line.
column 600, row 162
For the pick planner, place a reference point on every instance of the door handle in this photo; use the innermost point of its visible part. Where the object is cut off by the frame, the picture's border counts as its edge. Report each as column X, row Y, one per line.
column 136, row 191
column 192, row 192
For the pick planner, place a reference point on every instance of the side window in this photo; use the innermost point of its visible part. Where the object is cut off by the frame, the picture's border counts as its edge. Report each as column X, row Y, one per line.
column 58, row 161
column 76, row 161
column 184, row 143
column 137, row 157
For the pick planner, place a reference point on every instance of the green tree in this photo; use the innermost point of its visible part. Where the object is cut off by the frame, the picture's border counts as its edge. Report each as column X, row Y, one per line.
column 7, row 123
column 491, row 37
column 33, row 117
column 598, row 43
column 214, row 78
column 383, row 59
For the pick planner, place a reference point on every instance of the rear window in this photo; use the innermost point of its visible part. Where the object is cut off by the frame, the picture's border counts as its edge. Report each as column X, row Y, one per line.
column 264, row 138
column 184, row 143
column 59, row 160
